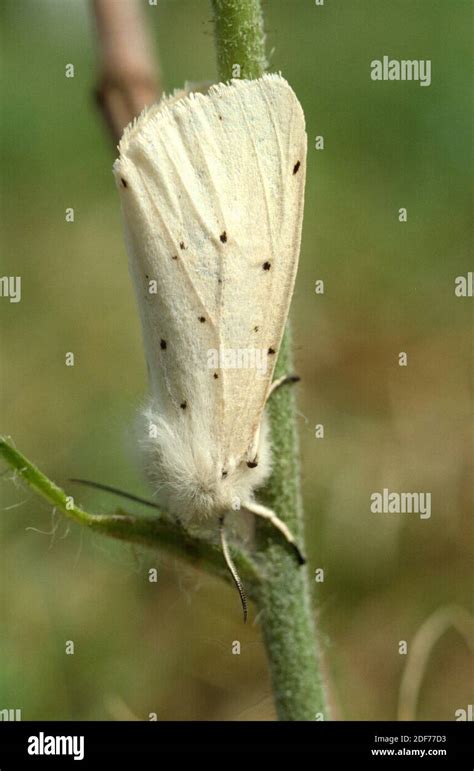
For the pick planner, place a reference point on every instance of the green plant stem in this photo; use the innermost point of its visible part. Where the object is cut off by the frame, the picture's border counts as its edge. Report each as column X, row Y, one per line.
column 157, row 531
column 240, row 38
column 283, row 597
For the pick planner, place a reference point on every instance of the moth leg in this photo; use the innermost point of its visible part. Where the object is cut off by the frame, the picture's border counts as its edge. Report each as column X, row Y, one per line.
column 282, row 381
column 262, row 511
column 252, row 456
column 232, row 569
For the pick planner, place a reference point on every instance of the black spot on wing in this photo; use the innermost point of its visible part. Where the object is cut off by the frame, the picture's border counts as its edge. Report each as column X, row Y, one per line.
column 223, row 237
column 163, row 344
column 296, row 167
column 183, row 405
column 202, row 319
column 271, row 351
column 267, row 265
column 124, row 182
column 182, row 245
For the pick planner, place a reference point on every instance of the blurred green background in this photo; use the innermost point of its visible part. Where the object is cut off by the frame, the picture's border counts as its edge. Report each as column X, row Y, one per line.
column 389, row 287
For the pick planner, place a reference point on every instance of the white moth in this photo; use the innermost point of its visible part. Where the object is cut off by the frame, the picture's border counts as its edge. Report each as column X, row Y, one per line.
column 212, row 191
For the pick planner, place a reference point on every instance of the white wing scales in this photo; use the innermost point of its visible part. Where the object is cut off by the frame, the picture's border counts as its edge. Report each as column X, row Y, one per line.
column 212, row 190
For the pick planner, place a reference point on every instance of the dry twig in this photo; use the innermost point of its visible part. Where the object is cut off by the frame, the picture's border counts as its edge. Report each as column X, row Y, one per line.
column 129, row 70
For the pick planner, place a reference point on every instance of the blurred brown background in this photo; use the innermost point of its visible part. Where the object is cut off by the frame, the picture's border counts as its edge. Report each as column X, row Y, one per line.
column 389, row 287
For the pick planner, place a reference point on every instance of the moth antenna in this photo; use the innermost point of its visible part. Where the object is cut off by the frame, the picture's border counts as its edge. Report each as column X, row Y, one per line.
column 232, row 569
column 115, row 491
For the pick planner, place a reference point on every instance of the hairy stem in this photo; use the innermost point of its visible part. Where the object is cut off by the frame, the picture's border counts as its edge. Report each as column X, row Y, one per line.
column 240, row 38
column 157, row 531
column 283, row 597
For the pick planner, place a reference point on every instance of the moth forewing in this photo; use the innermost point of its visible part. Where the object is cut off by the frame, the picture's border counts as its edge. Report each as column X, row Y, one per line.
column 212, row 190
